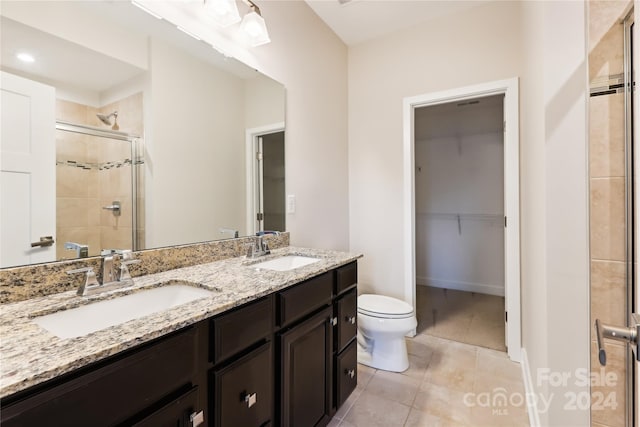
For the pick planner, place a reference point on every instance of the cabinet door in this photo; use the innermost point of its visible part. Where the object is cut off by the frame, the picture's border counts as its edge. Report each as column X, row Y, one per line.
column 306, row 372
column 347, row 315
column 243, row 391
column 346, row 373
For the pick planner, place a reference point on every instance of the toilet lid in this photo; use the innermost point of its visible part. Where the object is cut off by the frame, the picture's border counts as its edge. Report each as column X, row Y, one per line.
column 383, row 306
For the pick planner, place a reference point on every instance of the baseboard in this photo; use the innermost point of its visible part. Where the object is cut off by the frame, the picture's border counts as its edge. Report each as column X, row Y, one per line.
column 532, row 409
column 480, row 288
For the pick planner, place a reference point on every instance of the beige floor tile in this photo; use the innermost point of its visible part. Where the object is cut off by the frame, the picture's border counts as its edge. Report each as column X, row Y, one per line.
column 498, row 365
column 417, row 367
column 365, row 373
column 390, row 385
column 502, row 416
column 443, row 402
column 348, row 404
column 454, row 367
column 461, row 316
column 418, row 418
column 418, row 348
column 376, row 411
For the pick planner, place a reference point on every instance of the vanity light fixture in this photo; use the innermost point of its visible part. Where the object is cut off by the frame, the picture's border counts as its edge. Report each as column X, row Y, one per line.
column 254, row 26
column 223, row 12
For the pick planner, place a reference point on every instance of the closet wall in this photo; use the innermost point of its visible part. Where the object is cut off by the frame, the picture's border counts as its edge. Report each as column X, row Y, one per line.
column 460, row 196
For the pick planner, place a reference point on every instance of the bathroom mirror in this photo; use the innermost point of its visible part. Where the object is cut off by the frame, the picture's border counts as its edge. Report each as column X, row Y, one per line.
column 177, row 123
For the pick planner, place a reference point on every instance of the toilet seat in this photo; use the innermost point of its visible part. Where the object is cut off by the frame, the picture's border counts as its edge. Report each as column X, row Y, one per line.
column 383, row 307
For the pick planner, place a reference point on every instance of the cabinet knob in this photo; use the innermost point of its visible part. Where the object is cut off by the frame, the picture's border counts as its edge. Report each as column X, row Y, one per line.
column 196, row 418
column 351, row 319
column 333, row 321
column 251, row 399
column 350, row 372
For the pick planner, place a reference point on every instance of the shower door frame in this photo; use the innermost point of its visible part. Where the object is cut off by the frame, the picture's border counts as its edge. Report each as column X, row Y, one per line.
column 508, row 88
column 135, row 155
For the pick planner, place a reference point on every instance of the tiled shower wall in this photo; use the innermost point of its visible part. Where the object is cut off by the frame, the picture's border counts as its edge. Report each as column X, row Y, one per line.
column 92, row 172
column 607, row 201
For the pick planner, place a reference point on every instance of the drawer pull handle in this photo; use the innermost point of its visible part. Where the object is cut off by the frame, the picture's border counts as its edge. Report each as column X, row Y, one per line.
column 350, row 372
column 251, row 399
column 196, row 418
column 351, row 319
column 333, row 321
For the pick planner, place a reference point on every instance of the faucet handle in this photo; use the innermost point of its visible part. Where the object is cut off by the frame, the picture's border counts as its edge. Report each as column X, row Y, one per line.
column 127, row 260
column 90, row 279
column 250, row 249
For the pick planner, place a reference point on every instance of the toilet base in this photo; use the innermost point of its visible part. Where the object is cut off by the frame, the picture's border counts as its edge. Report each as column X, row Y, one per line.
column 390, row 355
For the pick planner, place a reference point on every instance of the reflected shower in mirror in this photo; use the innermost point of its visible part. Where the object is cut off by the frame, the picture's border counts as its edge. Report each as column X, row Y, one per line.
column 185, row 171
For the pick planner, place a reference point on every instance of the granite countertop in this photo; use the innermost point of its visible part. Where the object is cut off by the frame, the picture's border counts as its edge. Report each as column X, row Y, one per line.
column 30, row 355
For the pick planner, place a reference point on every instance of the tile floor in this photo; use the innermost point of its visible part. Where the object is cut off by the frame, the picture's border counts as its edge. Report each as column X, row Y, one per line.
column 451, row 380
column 466, row 317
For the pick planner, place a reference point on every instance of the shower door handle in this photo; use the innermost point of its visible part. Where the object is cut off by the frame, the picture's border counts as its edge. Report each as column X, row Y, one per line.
column 630, row 335
column 114, row 207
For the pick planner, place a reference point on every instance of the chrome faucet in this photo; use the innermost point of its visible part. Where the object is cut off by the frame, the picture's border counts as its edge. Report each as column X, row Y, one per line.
column 258, row 248
column 111, row 278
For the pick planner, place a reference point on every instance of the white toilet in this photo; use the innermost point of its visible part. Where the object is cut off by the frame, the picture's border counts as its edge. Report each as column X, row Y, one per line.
column 382, row 324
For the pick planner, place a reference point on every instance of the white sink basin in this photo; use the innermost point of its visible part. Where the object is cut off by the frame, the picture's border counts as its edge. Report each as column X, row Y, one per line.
column 286, row 263
column 79, row 321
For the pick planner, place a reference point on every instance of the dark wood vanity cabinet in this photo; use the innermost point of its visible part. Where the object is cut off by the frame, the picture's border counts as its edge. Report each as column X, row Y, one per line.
column 241, row 383
column 317, row 347
column 151, row 385
column 287, row 359
column 345, row 351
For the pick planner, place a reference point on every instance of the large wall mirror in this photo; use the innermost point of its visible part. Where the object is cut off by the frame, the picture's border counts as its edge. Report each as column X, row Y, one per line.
column 121, row 132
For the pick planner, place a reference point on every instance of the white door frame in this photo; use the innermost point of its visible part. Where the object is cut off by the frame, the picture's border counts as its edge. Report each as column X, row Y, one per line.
column 509, row 88
column 251, row 145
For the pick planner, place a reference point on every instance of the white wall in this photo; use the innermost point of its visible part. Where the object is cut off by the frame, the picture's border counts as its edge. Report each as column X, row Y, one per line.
column 565, row 86
column 555, row 302
column 479, row 45
column 264, row 102
column 459, row 212
column 544, row 44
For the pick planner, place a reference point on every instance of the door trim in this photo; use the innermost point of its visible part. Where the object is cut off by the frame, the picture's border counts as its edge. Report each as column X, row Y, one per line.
column 251, row 143
column 509, row 88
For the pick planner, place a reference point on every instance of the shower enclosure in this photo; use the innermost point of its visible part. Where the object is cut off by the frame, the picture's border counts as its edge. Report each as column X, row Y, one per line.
column 98, row 190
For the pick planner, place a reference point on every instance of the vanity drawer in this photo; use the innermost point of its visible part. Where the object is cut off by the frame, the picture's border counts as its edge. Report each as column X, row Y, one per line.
column 346, row 277
column 243, row 391
column 346, row 378
column 235, row 331
column 347, row 316
column 108, row 395
column 176, row 413
column 304, row 298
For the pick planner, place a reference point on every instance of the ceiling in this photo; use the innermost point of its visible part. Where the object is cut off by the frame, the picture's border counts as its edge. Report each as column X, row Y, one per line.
column 356, row 21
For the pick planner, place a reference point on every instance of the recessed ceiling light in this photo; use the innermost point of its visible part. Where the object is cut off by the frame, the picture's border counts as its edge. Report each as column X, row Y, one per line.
column 25, row 57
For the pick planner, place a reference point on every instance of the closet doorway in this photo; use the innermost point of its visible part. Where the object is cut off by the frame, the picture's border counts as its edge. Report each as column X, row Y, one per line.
column 462, row 208
column 459, row 196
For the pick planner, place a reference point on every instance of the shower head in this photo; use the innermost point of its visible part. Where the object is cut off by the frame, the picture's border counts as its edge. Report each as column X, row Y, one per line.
column 106, row 119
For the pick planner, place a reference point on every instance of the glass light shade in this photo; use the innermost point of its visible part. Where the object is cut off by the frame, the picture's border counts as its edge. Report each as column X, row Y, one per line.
column 223, row 12
column 255, row 29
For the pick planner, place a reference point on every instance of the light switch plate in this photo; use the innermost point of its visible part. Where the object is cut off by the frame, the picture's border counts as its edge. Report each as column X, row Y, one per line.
column 291, row 204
